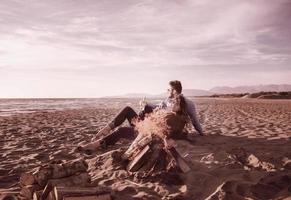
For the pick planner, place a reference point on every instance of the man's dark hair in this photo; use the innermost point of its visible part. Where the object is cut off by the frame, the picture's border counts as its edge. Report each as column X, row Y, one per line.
column 176, row 85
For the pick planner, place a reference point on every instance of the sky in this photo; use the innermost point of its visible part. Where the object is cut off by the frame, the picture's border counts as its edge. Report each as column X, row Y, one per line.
column 89, row 48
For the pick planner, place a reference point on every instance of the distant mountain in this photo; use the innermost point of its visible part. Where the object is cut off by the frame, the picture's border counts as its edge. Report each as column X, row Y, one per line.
column 196, row 92
column 190, row 93
column 215, row 90
column 251, row 89
column 137, row 95
column 186, row 92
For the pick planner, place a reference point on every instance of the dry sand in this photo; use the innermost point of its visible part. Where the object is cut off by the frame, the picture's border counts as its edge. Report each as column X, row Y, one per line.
column 246, row 153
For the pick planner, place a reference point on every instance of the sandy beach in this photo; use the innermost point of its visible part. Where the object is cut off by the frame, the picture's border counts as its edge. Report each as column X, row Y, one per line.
column 245, row 153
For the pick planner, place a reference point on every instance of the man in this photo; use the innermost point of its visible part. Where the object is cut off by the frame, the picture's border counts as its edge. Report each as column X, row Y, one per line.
column 175, row 88
column 105, row 137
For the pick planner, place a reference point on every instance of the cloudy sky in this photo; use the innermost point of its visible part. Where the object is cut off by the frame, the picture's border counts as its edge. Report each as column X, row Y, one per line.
column 89, row 48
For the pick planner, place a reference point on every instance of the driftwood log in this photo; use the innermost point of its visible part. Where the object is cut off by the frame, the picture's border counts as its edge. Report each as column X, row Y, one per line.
column 52, row 171
column 27, row 178
column 28, row 190
column 69, row 168
column 65, row 192
column 81, row 180
column 9, row 194
column 37, row 176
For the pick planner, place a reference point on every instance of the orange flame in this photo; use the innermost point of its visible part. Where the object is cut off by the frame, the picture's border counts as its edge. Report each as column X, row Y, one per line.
column 160, row 123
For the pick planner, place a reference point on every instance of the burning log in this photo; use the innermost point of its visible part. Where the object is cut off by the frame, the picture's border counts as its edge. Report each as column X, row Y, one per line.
column 137, row 145
column 152, row 150
column 157, row 155
column 139, row 160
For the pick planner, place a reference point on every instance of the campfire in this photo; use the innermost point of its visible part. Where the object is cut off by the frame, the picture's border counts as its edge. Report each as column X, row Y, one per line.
column 153, row 148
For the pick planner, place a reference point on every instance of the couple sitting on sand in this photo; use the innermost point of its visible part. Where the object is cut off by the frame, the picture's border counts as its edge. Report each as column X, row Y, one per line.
column 170, row 116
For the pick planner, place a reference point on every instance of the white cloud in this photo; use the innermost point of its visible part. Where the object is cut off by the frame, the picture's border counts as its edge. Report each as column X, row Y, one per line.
column 75, row 40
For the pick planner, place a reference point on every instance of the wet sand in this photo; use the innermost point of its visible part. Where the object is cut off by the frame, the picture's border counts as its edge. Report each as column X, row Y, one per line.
column 246, row 152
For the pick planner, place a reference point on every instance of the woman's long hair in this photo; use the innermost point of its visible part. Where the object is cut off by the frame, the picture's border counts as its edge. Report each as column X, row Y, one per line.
column 179, row 106
column 162, row 122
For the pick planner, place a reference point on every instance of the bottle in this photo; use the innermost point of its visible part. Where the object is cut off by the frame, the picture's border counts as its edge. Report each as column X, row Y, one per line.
column 142, row 103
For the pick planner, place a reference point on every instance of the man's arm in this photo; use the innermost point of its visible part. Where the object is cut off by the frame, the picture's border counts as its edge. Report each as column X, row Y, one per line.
column 191, row 111
column 160, row 105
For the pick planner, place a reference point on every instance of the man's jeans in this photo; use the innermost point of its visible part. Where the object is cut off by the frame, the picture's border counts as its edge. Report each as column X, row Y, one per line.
column 129, row 114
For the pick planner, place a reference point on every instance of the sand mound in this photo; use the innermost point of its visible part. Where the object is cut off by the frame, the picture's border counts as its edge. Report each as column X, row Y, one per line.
column 272, row 186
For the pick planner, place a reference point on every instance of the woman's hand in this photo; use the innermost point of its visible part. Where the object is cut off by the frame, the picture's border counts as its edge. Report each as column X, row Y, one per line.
column 142, row 103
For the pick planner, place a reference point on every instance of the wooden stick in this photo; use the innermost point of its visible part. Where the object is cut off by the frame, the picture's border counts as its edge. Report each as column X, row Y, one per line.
column 37, row 195
column 61, row 192
column 48, row 188
column 99, row 197
column 182, row 164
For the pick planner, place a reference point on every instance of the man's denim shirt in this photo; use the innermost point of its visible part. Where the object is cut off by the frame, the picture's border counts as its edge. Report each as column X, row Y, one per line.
column 190, row 109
